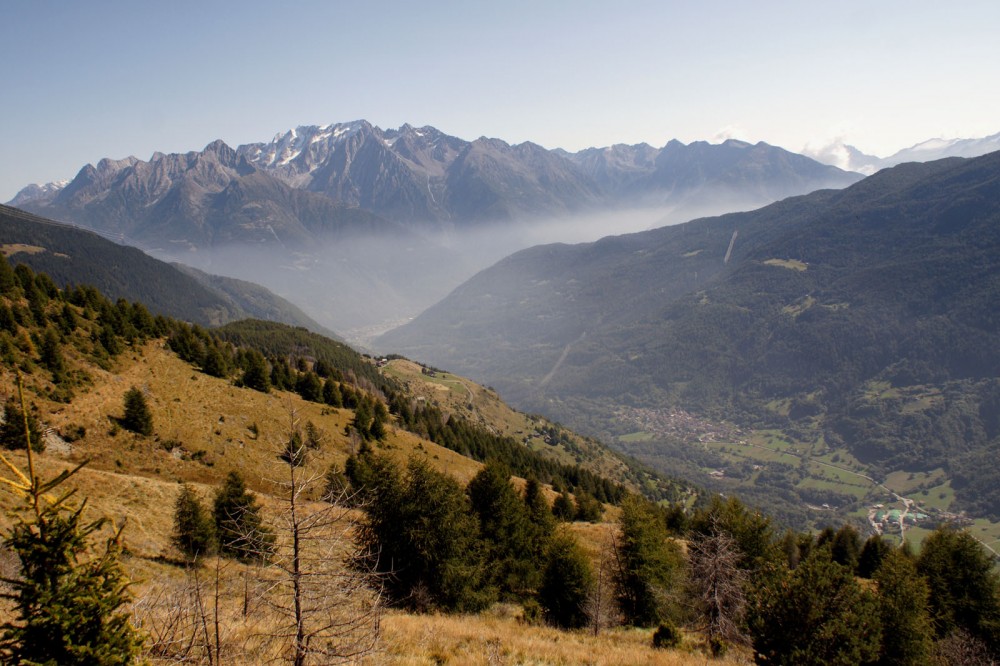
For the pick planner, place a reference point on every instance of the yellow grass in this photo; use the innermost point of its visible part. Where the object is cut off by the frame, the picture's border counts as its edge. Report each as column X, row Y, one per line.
column 202, row 431
column 463, row 640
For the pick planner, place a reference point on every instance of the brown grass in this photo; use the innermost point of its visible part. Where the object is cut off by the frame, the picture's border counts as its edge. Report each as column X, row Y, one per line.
column 460, row 640
column 202, row 431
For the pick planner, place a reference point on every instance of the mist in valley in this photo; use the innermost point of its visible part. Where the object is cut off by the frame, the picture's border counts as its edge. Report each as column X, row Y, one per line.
column 363, row 285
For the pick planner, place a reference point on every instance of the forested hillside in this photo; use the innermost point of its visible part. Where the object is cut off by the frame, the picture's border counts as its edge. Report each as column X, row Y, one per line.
column 861, row 320
column 277, row 497
column 70, row 256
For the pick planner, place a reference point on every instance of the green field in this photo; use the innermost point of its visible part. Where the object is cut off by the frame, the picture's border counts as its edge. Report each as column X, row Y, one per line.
column 640, row 436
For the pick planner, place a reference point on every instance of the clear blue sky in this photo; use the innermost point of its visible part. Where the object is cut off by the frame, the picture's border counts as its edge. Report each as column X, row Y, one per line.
column 86, row 80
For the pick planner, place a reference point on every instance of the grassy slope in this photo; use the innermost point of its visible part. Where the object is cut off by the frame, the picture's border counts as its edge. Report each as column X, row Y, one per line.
column 483, row 407
column 135, row 479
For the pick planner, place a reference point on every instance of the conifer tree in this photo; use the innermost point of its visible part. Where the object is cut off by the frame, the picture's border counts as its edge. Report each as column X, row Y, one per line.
column 255, row 373
column 50, row 353
column 309, row 387
column 215, row 363
column 331, row 393
column 419, row 531
column 538, row 507
column 7, row 279
column 362, row 421
column 846, row 547
column 138, row 418
column 68, row 321
column 648, row 564
column 587, row 507
column 817, row 615
column 872, row 553
column 564, row 508
column 505, row 527
column 194, row 531
column 964, row 586
column 67, row 601
column 902, row 605
column 566, row 583
column 12, row 431
column 751, row 530
column 238, row 523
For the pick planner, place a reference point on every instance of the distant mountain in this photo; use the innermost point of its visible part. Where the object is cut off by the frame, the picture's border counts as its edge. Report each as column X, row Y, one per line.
column 406, row 175
column 420, row 175
column 699, row 172
column 795, row 314
column 74, row 256
column 195, row 201
column 852, row 159
column 253, row 301
column 364, row 227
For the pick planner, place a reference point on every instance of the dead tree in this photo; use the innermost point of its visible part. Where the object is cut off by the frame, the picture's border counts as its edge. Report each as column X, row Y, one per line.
column 601, row 608
column 326, row 611
column 718, row 586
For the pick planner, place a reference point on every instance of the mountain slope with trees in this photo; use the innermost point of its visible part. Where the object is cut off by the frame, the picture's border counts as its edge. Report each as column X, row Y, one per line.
column 70, row 256
column 865, row 316
column 341, row 508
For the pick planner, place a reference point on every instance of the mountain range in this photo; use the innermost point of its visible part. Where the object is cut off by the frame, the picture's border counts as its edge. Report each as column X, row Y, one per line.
column 423, row 175
column 862, row 318
column 850, row 158
column 366, row 227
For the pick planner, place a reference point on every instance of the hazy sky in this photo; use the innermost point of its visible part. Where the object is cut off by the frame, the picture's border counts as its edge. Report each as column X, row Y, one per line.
column 86, row 80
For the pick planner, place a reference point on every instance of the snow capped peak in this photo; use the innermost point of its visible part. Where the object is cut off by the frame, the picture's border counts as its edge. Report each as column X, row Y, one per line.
column 34, row 192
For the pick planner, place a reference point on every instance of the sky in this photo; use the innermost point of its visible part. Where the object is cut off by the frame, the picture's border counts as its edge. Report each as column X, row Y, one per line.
column 80, row 81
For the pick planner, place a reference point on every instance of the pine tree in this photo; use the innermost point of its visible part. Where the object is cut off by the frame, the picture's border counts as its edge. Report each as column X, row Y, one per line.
column 538, row 506
column 587, row 507
column 902, row 605
column 51, row 354
column 505, row 527
column 215, row 364
column 309, row 387
column 12, row 431
column 647, row 563
column 564, row 508
column 67, row 603
column 846, row 547
column 964, row 586
column 238, row 523
column 419, row 531
column 7, row 279
column 817, row 615
column 380, row 419
column 138, row 418
column 362, row 421
column 751, row 530
column 566, row 583
column 331, row 394
column 255, row 373
column 194, row 532
column 872, row 553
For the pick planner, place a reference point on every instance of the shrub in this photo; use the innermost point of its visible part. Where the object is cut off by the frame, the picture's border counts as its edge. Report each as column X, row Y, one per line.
column 666, row 636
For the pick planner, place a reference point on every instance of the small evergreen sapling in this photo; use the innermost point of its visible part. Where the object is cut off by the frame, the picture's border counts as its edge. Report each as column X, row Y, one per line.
column 137, row 417
column 67, row 602
column 194, row 531
column 238, row 524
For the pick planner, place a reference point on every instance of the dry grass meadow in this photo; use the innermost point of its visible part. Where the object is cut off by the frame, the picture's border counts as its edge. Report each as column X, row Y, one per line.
column 224, row 612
